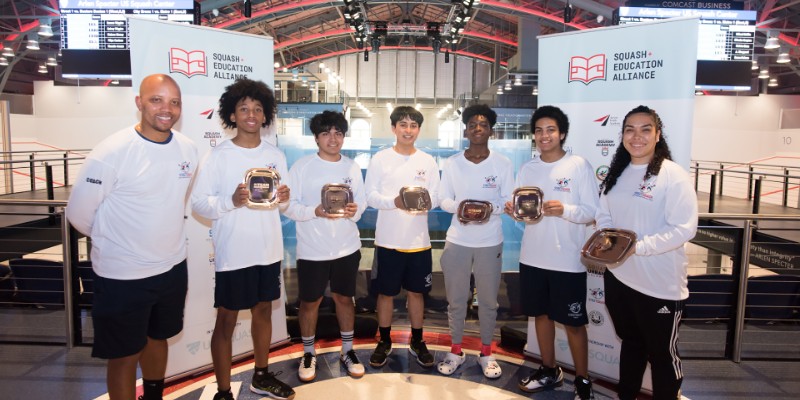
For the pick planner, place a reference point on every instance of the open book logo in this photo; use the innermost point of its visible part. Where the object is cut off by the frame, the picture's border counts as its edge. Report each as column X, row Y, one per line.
column 187, row 62
column 586, row 70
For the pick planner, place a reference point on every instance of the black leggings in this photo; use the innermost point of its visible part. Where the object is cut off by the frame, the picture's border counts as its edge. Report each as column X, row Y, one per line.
column 648, row 328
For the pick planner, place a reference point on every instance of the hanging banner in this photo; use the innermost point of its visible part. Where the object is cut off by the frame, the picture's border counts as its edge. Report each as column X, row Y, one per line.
column 203, row 61
column 596, row 76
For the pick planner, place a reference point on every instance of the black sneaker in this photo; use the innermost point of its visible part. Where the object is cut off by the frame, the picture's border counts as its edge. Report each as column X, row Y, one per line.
column 380, row 355
column 269, row 385
column 227, row 395
column 583, row 389
column 420, row 350
column 544, row 378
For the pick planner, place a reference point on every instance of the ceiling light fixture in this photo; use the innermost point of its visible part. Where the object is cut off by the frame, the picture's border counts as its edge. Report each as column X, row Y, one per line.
column 8, row 52
column 3, row 61
column 45, row 30
column 783, row 57
column 772, row 41
column 764, row 73
column 33, row 44
column 773, row 82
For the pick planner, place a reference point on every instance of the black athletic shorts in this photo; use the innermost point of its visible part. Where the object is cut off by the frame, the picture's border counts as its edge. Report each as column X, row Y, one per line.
column 243, row 288
column 126, row 312
column 313, row 276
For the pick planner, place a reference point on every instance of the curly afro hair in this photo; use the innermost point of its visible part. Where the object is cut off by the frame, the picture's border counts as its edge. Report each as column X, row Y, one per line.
column 244, row 88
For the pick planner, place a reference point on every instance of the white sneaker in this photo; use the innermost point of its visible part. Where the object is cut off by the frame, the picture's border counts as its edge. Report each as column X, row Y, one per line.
column 308, row 368
column 491, row 369
column 450, row 363
column 351, row 362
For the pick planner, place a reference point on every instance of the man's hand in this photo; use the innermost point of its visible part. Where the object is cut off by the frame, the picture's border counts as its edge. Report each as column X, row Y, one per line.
column 283, row 193
column 552, row 208
column 240, row 195
column 398, row 202
column 509, row 208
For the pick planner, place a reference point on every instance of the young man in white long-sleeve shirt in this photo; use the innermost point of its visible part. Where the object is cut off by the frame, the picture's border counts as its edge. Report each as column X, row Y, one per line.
column 551, row 273
column 402, row 241
column 130, row 198
column 474, row 248
column 247, row 276
column 328, row 246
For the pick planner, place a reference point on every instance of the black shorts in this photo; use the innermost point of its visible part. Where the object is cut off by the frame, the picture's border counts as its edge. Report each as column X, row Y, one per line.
column 397, row 269
column 559, row 295
column 243, row 288
column 313, row 276
column 126, row 312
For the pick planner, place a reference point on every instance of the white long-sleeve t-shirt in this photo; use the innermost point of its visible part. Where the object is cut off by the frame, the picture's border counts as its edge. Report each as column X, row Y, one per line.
column 388, row 172
column 320, row 239
column 490, row 180
column 663, row 213
column 242, row 236
column 555, row 242
column 130, row 198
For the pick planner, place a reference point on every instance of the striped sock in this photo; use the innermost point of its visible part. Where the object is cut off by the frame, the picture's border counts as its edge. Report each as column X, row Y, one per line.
column 308, row 344
column 347, row 341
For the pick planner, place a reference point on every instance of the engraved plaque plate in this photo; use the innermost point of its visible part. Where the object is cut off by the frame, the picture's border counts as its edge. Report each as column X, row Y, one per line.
column 416, row 199
column 335, row 197
column 608, row 248
column 474, row 211
column 263, row 186
column 527, row 203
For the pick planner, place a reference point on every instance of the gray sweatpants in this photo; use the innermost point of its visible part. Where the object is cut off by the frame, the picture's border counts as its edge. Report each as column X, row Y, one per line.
column 486, row 263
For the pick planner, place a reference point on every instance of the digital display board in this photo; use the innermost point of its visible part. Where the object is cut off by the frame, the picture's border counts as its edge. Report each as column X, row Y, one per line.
column 94, row 33
column 726, row 39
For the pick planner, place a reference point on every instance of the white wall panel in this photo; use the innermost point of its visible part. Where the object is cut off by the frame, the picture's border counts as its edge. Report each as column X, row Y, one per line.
column 387, row 74
column 463, row 67
column 483, row 76
column 425, row 75
column 406, row 68
column 444, row 78
column 349, row 72
column 366, row 76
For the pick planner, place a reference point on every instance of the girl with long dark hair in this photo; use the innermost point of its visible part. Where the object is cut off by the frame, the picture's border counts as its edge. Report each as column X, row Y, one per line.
column 646, row 192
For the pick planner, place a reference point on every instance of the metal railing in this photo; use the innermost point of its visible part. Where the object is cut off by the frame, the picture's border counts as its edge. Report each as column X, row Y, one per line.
column 33, row 291
column 754, row 252
column 35, row 170
column 773, row 184
column 739, row 244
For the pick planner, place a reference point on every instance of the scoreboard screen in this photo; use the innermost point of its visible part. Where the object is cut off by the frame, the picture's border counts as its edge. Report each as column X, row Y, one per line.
column 726, row 39
column 95, row 40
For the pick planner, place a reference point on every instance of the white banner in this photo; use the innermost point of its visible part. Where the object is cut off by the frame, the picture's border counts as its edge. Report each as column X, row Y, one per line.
column 596, row 76
column 203, row 61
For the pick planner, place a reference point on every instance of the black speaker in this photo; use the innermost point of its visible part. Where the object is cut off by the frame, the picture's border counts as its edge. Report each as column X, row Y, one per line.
column 568, row 13
column 248, row 8
column 196, row 11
